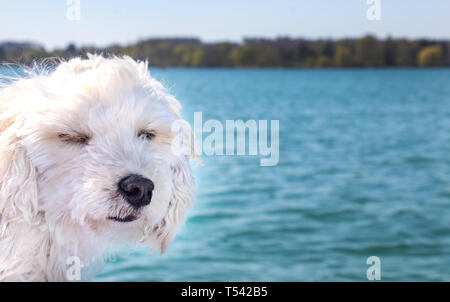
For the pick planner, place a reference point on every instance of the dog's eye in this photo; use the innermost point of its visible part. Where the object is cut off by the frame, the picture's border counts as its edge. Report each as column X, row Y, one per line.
column 147, row 135
column 81, row 139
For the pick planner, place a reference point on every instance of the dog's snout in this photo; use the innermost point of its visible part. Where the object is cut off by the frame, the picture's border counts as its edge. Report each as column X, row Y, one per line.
column 136, row 190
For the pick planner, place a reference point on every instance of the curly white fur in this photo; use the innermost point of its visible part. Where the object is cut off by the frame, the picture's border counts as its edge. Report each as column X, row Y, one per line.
column 56, row 194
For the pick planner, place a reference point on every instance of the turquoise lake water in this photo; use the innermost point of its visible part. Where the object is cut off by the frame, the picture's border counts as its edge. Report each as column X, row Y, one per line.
column 364, row 170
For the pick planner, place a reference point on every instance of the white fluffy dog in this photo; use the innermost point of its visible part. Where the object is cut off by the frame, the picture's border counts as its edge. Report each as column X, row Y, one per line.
column 86, row 164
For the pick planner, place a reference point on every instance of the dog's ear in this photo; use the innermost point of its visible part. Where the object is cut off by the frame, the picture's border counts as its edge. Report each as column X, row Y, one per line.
column 182, row 197
column 18, row 186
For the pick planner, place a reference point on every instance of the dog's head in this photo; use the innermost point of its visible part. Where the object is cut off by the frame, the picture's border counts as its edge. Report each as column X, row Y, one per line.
column 91, row 147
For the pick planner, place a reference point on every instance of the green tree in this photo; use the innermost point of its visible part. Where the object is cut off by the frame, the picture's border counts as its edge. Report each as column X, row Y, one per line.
column 191, row 56
column 389, row 52
column 324, row 61
column 300, row 53
column 71, row 48
column 405, row 52
column 431, row 56
column 344, row 56
column 368, row 52
column 324, row 48
column 31, row 55
column 253, row 55
column 217, row 55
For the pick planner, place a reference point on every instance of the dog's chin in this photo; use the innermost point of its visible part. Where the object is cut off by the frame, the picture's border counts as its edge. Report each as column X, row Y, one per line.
column 124, row 219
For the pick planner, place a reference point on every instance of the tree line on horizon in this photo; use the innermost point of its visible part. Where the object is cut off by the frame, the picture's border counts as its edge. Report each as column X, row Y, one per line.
column 367, row 51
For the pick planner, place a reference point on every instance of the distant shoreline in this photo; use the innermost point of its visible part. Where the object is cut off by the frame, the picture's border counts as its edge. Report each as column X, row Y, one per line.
column 365, row 52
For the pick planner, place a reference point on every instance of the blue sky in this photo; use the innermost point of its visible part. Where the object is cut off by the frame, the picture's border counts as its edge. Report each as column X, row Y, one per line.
column 105, row 22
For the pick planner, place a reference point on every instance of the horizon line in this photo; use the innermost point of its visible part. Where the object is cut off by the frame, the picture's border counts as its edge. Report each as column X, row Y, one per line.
column 218, row 41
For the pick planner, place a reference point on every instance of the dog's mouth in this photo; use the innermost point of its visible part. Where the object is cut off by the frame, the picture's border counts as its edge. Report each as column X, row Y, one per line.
column 129, row 218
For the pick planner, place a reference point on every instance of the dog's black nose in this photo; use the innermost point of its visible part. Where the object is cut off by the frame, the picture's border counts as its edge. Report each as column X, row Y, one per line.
column 136, row 190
